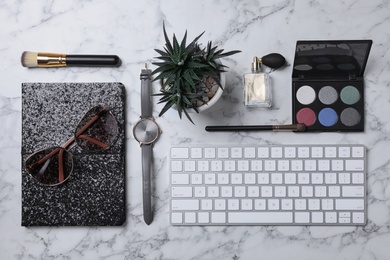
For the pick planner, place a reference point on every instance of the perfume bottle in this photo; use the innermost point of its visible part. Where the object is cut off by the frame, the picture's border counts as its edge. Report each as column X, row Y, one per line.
column 257, row 89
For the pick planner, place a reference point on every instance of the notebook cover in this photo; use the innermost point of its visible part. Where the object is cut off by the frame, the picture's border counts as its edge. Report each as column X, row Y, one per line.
column 94, row 195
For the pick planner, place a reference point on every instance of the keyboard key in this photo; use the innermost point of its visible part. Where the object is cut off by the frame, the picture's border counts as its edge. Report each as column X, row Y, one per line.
column 223, row 178
column 354, row 165
column 303, row 152
column 180, row 178
column 358, row 178
column 236, row 178
column 270, row 165
column 330, row 152
column 358, row 217
column 200, row 191
column 242, row 166
column 253, row 191
column 302, row 217
column 353, row 191
column 196, row 153
column 189, row 166
column 203, row 217
column 179, row 153
column 223, row 152
column 177, row 218
column 182, row 192
column 250, row 178
column 190, row 217
column 218, row 217
column 323, row 165
column 260, row 217
column 317, row 152
column 246, row 204
column 184, row 204
column 337, row 165
column 256, row 165
column 276, row 152
column 226, row 191
column 289, row 152
column 209, row 178
column 262, row 152
column 349, row 204
column 220, row 204
column 216, row 166
column 344, row 152
column 207, row 204
column 263, row 178
column 250, row 152
column 203, row 166
column 176, row 166
column 196, row 178
column 330, row 217
column 260, row 204
column 209, row 153
column 317, row 217
column 236, row 152
column 358, row 152
column 233, row 204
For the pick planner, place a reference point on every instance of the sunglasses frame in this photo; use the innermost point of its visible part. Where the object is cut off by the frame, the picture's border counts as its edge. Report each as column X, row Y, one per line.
column 71, row 143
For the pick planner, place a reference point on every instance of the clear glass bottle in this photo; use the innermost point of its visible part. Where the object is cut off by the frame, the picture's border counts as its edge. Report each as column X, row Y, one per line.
column 257, row 90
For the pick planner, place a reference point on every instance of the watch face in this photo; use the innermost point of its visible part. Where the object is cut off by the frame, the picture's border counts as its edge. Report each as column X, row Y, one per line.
column 146, row 131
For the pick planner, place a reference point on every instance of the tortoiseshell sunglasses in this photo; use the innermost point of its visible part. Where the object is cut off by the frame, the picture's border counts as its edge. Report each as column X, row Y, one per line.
column 97, row 130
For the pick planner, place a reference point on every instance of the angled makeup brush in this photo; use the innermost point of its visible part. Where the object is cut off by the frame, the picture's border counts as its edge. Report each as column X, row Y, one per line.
column 293, row 128
column 48, row 60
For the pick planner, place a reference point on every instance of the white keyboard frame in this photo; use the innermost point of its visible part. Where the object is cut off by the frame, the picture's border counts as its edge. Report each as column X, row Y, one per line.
column 268, row 213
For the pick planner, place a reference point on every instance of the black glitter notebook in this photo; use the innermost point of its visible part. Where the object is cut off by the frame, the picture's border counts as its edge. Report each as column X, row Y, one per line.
column 94, row 194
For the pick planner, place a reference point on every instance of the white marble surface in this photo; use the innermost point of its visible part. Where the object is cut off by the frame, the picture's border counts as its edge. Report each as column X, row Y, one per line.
column 132, row 29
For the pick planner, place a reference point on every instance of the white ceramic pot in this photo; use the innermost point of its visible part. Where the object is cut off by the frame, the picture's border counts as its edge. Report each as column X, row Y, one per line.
column 214, row 99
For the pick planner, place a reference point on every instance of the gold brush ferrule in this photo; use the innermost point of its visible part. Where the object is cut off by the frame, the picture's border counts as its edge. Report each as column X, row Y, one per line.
column 46, row 59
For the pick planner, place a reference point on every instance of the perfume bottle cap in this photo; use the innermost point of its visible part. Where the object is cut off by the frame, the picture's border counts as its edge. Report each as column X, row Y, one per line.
column 256, row 65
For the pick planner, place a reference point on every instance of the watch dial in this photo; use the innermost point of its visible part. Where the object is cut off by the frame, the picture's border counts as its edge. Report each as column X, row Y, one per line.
column 146, row 131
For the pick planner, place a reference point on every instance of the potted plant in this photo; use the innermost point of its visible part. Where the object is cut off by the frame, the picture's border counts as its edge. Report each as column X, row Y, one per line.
column 190, row 75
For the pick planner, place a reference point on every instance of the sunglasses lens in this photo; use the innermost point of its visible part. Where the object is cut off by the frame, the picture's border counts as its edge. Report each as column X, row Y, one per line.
column 97, row 130
column 50, row 166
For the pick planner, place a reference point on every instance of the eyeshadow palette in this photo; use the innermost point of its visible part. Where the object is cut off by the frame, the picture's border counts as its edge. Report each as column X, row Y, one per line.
column 328, row 85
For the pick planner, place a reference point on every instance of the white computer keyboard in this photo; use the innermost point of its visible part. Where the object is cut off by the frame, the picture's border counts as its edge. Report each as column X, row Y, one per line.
column 268, row 185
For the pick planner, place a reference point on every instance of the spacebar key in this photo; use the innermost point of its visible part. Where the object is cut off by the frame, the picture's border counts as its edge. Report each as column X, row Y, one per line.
column 260, row 217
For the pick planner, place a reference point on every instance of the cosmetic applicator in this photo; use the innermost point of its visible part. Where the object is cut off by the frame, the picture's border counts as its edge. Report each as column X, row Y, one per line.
column 48, row 60
column 293, row 128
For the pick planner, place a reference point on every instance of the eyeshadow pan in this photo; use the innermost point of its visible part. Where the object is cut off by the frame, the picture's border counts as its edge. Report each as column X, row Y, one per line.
column 328, row 117
column 306, row 116
column 346, row 66
column 350, row 95
column 350, row 117
column 328, row 95
column 325, row 66
column 303, row 67
column 306, row 95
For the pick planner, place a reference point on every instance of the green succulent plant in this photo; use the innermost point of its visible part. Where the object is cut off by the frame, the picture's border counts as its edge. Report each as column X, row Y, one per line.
column 182, row 68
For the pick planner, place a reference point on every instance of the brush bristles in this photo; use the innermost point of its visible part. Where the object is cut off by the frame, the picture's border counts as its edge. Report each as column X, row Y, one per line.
column 29, row 59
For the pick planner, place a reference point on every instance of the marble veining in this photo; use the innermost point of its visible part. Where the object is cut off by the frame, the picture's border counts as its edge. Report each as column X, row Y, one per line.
column 132, row 30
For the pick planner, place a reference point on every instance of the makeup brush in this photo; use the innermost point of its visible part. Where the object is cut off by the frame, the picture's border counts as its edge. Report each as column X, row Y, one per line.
column 47, row 60
column 293, row 128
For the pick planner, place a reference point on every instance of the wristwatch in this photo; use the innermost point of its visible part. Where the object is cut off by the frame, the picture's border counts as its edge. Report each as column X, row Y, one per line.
column 146, row 132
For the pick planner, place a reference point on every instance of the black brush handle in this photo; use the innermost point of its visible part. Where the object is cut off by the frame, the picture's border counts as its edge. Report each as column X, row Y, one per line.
column 238, row 128
column 93, row 60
